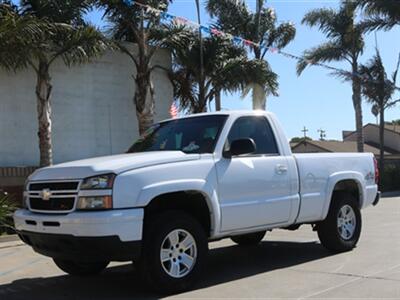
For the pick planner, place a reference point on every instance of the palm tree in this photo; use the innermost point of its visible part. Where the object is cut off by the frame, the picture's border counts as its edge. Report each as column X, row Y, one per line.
column 226, row 68
column 55, row 31
column 378, row 90
column 380, row 14
column 345, row 43
column 132, row 23
column 234, row 17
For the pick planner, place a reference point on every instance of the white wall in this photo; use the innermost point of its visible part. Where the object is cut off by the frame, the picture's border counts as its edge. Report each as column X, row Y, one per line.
column 93, row 110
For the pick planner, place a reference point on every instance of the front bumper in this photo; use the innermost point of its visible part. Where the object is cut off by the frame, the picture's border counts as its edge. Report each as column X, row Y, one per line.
column 84, row 249
column 111, row 234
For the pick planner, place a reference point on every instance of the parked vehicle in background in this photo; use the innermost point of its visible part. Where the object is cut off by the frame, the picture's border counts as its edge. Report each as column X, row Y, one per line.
column 188, row 182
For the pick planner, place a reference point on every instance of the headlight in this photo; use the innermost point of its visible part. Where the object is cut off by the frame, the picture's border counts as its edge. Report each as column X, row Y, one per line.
column 98, row 182
column 95, row 202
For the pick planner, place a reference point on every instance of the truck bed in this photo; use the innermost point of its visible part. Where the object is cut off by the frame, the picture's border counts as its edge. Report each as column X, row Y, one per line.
column 317, row 172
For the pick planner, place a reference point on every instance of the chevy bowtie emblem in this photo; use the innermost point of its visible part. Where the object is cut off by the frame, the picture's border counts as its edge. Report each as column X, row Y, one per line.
column 45, row 194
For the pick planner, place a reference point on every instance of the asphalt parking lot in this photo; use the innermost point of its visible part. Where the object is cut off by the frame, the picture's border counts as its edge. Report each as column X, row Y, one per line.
column 286, row 265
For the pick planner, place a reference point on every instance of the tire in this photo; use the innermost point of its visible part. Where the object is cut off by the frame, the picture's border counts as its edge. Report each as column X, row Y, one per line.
column 80, row 268
column 249, row 239
column 336, row 237
column 183, row 264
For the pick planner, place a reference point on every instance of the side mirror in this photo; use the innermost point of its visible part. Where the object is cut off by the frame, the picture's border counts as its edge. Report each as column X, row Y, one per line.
column 241, row 147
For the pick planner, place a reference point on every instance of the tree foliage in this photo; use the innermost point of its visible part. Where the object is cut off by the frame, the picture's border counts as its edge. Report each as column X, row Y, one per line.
column 37, row 33
column 135, row 24
column 345, row 37
column 261, row 26
column 379, row 88
column 226, row 69
column 345, row 42
column 380, row 14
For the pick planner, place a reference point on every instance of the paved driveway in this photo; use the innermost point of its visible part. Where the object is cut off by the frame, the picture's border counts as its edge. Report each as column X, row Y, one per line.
column 286, row 265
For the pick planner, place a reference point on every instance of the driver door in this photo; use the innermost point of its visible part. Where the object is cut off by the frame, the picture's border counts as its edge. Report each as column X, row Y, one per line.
column 254, row 189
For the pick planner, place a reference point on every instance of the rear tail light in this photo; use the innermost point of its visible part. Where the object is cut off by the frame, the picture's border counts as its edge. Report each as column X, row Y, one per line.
column 376, row 171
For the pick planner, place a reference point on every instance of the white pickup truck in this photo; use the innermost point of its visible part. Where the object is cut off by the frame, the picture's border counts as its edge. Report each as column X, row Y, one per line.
column 185, row 183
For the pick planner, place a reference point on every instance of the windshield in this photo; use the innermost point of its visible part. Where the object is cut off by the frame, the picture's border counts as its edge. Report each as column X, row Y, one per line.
column 189, row 135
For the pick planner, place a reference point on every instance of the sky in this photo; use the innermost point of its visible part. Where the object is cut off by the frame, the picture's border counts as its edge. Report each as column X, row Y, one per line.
column 316, row 99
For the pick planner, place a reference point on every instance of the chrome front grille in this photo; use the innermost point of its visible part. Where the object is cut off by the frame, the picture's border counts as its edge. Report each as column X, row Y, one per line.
column 55, row 186
column 52, row 196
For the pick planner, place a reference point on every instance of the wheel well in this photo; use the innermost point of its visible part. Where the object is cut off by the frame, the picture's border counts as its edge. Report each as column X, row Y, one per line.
column 348, row 186
column 192, row 202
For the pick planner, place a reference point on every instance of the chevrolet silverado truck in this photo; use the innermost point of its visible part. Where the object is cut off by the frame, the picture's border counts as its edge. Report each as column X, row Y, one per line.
column 187, row 182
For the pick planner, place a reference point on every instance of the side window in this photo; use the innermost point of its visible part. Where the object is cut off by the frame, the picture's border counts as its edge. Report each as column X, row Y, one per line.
column 256, row 128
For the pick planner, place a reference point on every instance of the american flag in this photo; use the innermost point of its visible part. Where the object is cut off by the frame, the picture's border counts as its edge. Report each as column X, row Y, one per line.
column 174, row 110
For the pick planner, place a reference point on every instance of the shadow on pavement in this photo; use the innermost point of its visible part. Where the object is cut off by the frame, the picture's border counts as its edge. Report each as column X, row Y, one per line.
column 123, row 282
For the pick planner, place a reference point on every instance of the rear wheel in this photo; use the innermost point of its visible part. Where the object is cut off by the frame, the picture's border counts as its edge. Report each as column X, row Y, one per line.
column 249, row 239
column 175, row 249
column 80, row 268
column 341, row 230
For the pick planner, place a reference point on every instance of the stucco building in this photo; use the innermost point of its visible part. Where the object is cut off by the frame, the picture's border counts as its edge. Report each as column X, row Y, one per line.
column 371, row 136
column 93, row 112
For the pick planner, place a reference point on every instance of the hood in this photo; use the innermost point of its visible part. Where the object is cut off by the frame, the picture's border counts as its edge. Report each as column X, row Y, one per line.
column 109, row 164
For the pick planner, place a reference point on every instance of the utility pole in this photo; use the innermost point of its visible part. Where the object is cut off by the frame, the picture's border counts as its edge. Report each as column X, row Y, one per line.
column 201, row 83
column 305, row 130
column 322, row 134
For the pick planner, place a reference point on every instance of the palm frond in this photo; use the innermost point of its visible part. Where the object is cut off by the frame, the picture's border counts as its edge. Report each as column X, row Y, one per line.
column 376, row 87
column 394, row 75
column 77, row 44
column 323, row 18
column 327, row 52
column 59, row 11
column 380, row 14
column 18, row 35
column 377, row 22
column 233, row 15
column 282, row 35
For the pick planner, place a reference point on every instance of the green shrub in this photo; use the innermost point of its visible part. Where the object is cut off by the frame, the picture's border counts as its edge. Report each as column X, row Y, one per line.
column 390, row 178
column 7, row 207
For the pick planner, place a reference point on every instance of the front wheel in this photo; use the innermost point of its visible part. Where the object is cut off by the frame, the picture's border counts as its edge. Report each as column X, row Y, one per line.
column 341, row 229
column 80, row 268
column 175, row 249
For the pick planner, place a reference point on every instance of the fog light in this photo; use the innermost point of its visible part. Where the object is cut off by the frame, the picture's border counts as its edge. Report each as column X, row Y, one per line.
column 94, row 202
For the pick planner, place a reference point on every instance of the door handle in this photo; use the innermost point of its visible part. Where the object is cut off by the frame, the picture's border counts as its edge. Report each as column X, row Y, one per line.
column 280, row 169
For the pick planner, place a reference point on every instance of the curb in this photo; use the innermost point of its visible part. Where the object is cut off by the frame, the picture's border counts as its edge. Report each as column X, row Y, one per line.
column 8, row 241
column 9, row 238
column 391, row 194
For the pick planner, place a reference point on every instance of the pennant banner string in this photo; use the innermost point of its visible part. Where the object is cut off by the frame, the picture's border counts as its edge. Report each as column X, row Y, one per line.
column 242, row 42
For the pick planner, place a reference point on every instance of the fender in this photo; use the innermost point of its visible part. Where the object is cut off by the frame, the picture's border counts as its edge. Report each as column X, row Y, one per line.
column 340, row 176
column 152, row 191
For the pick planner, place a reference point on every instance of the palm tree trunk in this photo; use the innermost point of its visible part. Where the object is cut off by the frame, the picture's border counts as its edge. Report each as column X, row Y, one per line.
column 217, row 100
column 356, row 85
column 259, row 97
column 381, row 141
column 43, row 94
column 144, row 100
column 202, row 92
